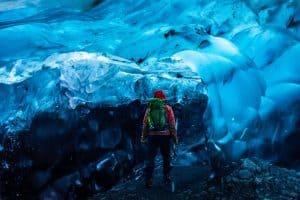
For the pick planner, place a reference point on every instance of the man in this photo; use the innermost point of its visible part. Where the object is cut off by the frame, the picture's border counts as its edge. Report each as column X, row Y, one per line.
column 159, row 128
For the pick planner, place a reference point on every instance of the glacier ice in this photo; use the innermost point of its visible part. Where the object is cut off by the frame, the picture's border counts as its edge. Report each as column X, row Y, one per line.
column 67, row 80
column 75, row 77
column 246, row 53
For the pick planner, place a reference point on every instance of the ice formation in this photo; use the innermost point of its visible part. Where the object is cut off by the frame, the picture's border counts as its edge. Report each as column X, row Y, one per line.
column 245, row 51
column 75, row 77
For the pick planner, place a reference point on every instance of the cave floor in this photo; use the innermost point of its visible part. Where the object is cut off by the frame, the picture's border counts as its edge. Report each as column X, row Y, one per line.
column 249, row 179
column 188, row 183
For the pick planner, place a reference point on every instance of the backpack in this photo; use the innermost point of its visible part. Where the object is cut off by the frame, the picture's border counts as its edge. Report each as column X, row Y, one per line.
column 156, row 118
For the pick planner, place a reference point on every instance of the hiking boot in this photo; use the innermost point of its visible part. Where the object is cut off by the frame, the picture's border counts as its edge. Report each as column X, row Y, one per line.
column 148, row 183
column 167, row 178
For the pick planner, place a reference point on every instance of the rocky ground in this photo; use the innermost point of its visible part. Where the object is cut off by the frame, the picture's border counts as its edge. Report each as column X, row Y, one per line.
column 249, row 178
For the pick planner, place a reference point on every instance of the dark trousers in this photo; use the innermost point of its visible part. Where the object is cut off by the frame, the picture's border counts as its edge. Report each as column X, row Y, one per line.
column 156, row 142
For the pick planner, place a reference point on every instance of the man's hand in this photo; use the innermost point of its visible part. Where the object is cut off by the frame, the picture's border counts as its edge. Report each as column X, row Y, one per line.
column 143, row 140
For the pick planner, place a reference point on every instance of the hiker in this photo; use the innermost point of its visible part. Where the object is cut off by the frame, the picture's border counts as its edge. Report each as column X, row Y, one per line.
column 159, row 128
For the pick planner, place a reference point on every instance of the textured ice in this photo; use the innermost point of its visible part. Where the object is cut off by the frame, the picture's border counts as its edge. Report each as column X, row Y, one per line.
column 263, row 45
column 67, row 80
column 245, row 51
column 232, row 110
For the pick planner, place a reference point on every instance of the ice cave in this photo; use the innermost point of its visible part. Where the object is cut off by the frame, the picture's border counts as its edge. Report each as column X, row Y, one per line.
column 76, row 78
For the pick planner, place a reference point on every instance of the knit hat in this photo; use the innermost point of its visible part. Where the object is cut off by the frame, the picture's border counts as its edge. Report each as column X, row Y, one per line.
column 160, row 95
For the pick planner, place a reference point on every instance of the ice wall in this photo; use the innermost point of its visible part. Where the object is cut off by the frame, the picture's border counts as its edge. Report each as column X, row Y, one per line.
column 245, row 51
column 68, row 80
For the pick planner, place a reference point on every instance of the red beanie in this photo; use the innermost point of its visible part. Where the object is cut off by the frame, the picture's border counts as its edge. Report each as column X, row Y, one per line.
column 160, row 95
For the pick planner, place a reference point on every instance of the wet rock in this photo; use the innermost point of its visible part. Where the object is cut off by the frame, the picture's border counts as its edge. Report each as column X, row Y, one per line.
column 250, row 165
column 93, row 178
column 258, row 180
column 282, row 185
column 108, row 138
column 245, row 174
column 271, row 182
column 211, row 189
column 50, row 193
column 48, row 138
column 40, row 178
column 111, row 168
column 101, row 144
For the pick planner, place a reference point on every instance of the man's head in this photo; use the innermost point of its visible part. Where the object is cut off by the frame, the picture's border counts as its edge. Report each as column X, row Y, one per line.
column 160, row 95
